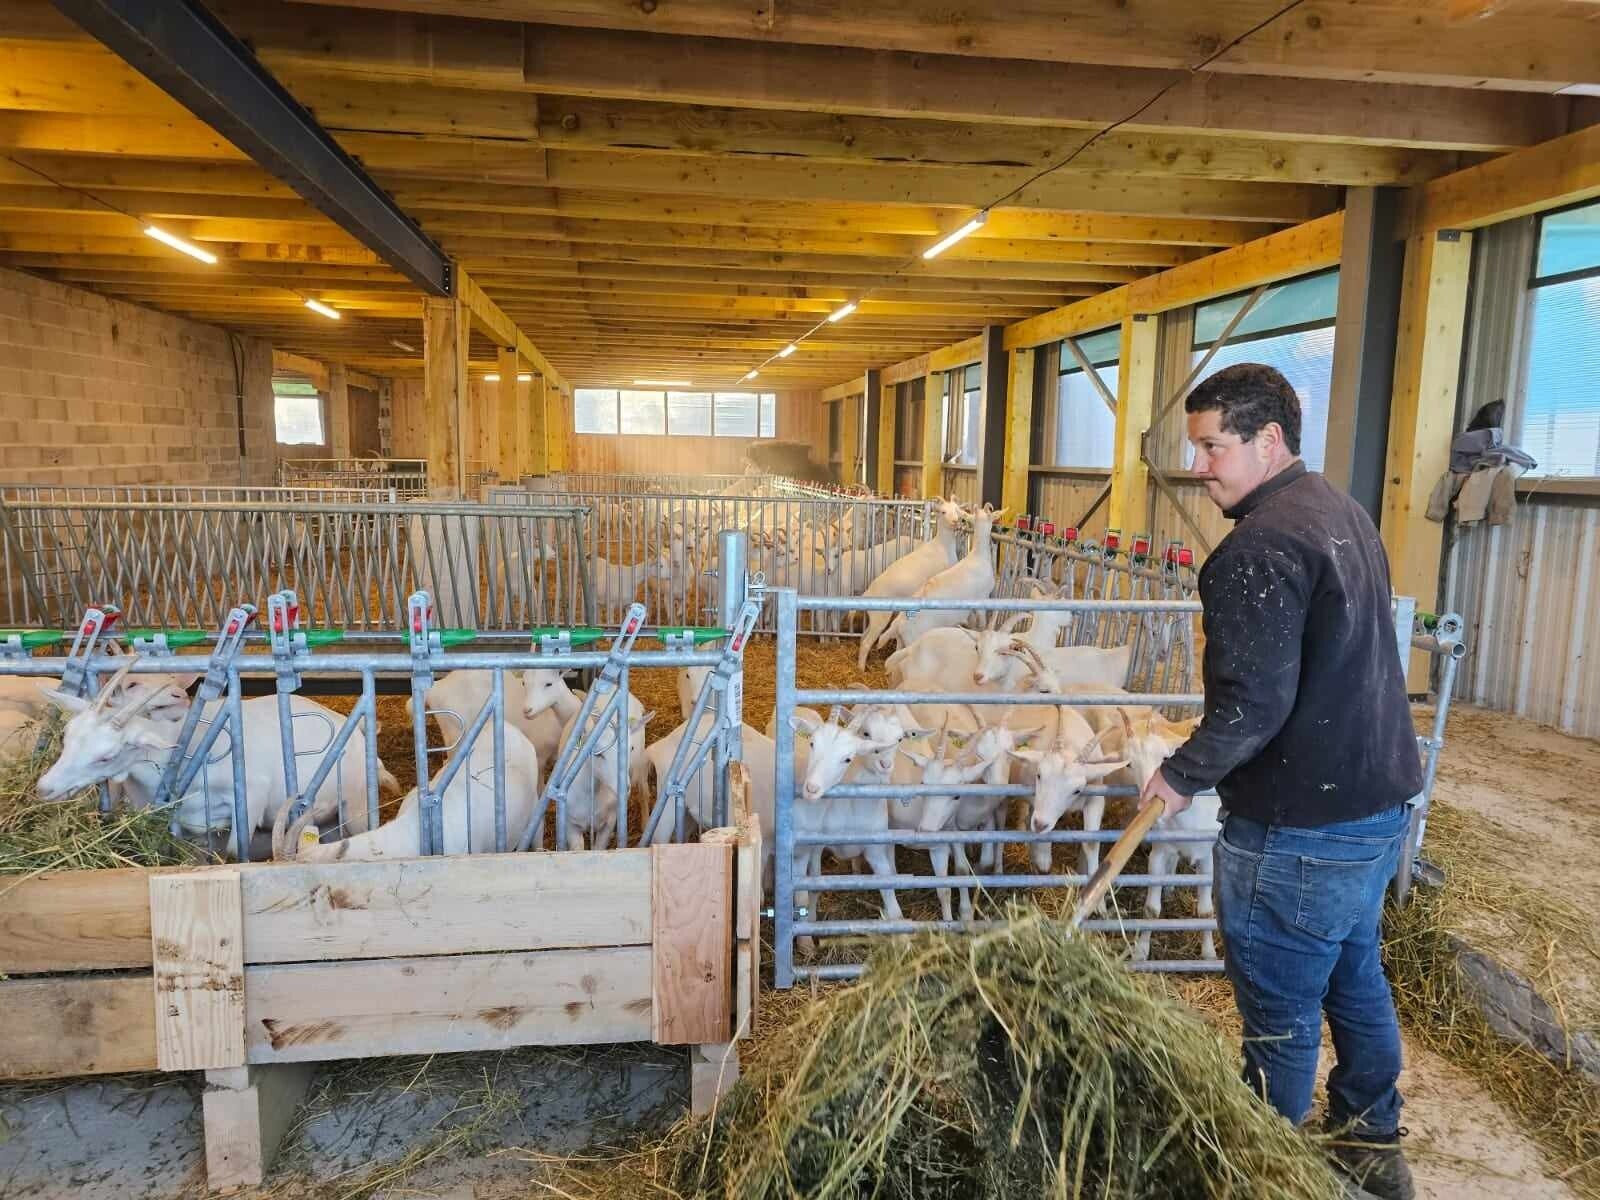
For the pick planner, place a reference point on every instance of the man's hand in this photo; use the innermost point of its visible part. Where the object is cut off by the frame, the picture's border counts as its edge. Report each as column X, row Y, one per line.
column 1158, row 786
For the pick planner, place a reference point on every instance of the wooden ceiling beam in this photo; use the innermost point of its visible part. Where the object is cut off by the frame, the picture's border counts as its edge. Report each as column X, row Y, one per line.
column 474, row 229
column 578, row 123
column 923, row 221
column 1385, row 40
column 920, row 184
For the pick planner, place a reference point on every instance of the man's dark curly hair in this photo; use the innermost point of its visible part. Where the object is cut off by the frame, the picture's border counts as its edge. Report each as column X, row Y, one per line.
column 1249, row 395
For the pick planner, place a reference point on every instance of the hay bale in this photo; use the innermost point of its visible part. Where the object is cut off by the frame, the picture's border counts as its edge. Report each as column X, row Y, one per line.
column 1017, row 1063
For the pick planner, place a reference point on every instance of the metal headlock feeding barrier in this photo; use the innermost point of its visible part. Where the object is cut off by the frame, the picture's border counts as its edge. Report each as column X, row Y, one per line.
column 799, row 844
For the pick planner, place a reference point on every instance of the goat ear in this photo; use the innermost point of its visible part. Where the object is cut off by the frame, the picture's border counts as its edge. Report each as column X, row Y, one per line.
column 804, row 723
column 64, row 700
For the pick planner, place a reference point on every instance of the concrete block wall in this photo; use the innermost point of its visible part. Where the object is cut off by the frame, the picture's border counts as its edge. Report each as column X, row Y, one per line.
column 95, row 390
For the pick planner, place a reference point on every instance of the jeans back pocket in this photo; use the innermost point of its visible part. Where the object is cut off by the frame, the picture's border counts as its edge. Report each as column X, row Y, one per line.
column 1336, row 894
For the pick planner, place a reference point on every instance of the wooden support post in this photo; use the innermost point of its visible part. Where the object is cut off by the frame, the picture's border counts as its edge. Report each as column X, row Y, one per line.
column 850, row 438
column 1363, row 349
column 537, row 460
column 872, row 428
column 197, row 940
column 338, row 411
column 933, row 433
column 888, row 422
column 994, row 370
column 1019, row 432
column 247, row 1110
column 445, row 334
column 1427, row 366
column 508, row 416
column 1129, row 505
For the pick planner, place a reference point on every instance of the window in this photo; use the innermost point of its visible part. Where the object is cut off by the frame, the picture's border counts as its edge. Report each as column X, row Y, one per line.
column 1085, row 428
column 296, row 413
column 689, row 414
column 682, row 414
column 1290, row 328
column 1560, row 419
column 642, row 412
column 594, row 411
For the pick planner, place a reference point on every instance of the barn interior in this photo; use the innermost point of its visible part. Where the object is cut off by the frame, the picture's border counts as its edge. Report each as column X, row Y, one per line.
column 384, row 278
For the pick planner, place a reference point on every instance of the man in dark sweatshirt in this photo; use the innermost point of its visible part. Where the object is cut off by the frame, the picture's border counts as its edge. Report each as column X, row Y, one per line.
column 1307, row 738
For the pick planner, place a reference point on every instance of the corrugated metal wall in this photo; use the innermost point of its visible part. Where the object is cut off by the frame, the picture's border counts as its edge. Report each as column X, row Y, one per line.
column 1528, row 592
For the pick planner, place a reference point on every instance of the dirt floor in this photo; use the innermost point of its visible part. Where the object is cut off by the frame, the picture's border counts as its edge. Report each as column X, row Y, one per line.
column 1515, row 796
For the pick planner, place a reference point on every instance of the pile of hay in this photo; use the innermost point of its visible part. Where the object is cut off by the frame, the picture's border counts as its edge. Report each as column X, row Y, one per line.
column 36, row 836
column 1021, row 1062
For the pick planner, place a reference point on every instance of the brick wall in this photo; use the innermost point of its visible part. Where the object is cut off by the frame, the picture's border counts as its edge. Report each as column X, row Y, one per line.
column 94, row 390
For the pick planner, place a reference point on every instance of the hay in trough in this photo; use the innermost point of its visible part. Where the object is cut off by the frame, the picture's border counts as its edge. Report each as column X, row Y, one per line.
column 38, row 836
column 1019, row 1062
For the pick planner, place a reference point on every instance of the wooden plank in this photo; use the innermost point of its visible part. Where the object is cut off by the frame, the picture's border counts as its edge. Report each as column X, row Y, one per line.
column 692, row 939
column 461, row 905
column 1427, row 363
column 1517, row 48
column 1565, row 170
column 777, row 179
column 245, row 1120
column 1282, row 255
column 1129, row 507
column 75, row 921
column 77, row 1025
column 1019, row 432
column 308, row 1012
column 197, row 929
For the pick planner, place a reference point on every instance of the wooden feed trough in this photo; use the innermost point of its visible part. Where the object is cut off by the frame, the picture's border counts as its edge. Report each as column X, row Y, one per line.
column 252, row 973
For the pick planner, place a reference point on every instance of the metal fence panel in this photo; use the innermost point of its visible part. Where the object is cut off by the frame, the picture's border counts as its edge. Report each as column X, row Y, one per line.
column 182, row 565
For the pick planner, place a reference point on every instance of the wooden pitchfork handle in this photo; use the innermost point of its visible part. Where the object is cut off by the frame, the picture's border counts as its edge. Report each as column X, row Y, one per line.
column 1117, row 858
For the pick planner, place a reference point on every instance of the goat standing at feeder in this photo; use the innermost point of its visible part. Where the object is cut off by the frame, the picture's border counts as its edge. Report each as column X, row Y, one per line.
column 972, row 578
column 104, row 743
column 905, row 575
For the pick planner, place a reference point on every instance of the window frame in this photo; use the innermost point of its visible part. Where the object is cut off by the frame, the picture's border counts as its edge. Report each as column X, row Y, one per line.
column 1516, row 427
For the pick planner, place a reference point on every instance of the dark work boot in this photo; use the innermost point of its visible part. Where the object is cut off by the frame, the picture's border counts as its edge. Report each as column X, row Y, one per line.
column 1375, row 1164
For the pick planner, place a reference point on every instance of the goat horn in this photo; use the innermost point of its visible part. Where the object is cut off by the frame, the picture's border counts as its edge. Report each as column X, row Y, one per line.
column 110, row 686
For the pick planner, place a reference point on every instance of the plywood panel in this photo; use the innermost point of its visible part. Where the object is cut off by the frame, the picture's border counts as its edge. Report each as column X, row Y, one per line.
column 460, row 905
column 75, row 921
column 693, row 940
column 86, row 1025
column 197, row 933
column 306, row 1012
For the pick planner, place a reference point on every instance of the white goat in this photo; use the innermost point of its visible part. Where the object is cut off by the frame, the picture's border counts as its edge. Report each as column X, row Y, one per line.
column 467, row 810
column 906, row 574
column 972, row 578
column 1145, row 752
column 101, row 743
column 616, row 585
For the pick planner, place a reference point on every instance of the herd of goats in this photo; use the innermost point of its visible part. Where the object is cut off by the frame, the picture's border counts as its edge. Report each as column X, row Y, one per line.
column 1069, row 753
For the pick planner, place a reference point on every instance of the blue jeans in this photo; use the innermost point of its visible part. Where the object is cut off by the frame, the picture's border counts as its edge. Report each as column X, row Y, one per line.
column 1299, row 912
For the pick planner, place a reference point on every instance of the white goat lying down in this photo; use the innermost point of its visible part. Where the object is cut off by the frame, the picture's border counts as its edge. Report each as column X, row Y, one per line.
column 125, row 745
column 467, row 808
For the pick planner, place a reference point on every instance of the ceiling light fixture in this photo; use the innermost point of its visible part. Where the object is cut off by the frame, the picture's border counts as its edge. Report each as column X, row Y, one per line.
column 317, row 306
column 178, row 244
column 949, row 240
column 840, row 314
